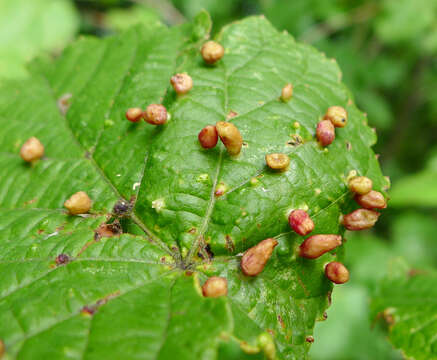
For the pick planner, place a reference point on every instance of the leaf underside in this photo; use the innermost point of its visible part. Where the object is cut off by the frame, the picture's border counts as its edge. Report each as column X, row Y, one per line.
column 143, row 286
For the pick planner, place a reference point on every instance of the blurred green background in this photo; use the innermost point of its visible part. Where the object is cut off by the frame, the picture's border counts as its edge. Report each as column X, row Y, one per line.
column 387, row 52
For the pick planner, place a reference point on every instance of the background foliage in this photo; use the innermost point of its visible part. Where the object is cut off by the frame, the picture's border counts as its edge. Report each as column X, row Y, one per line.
column 388, row 59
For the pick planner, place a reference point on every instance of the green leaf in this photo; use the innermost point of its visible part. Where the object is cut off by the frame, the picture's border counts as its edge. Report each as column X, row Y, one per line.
column 144, row 286
column 407, row 301
column 417, row 189
column 397, row 23
column 29, row 27
column 348, row 332
column 413, row 237
column 122, row 19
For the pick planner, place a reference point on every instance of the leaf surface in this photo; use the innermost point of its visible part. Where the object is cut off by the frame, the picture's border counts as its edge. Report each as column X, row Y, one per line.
column 143, row 287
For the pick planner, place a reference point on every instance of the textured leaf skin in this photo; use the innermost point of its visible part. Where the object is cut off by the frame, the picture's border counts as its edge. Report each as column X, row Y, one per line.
column 408, row 303
column 145, row 285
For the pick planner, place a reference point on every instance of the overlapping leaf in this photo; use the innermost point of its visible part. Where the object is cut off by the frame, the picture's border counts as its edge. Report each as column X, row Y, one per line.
column 143, row 287
column 407, row 302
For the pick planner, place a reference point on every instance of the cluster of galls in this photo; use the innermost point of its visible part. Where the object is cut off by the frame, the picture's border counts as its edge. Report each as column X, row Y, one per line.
column 156, row 114
column 335, row 117
column 228, row 133
column 254, row 259
column 33, row 150
column 368, row 199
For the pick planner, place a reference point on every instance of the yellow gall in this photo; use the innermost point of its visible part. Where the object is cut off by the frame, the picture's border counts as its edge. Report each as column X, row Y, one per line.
column 230, row 136
column 182, row 83
column 267, row 345
column 278, row 162
column 220, row 189
column 78, row 203
column 32, row 150
column 156, row 114
column 134, row 114
column 212, row 52
column 287, row 92
column 360, row 185
column 337, row 115
column 215, row 286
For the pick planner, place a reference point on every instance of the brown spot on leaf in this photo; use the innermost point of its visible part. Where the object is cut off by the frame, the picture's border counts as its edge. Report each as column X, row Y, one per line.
column 329, row 298
column 281, row 321
column 229, row 243
column 86, row 246
column 231, row 115
column 193, row 230
column 295, row 140
column 388, row 317
column 271, row 332
column 415, row 272
column 30, row 202
column 108, row 230
column 2, row 348
column 64, row 103
column 309, row 339
column 91, row 309
column 205, row 251
column 86, row 310
column 104, row 230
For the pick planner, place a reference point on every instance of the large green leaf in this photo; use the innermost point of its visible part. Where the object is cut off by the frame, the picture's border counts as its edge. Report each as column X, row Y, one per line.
column 407, row 301
column 396, row 24
column 417, row 189
column 349, row 333
column 145, row 284
column 29, row 27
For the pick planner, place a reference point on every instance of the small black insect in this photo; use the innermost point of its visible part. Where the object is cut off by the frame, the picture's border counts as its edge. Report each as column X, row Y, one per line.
column 207, row 251
column 122, row 208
